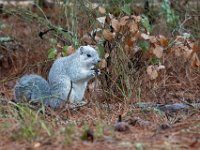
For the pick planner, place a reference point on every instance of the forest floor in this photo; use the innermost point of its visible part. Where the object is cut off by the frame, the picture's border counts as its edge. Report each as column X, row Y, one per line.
column 96, row 125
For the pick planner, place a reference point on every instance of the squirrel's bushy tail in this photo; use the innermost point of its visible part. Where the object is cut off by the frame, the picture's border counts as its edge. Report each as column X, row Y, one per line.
column 32, row 88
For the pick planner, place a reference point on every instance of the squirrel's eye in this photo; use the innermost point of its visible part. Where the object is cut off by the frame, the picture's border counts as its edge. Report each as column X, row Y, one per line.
column 88, row 55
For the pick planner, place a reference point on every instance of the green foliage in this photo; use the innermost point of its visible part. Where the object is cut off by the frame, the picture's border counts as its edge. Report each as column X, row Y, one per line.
column 139, row 146
column 144, row 45
column 52, row 53
column 69, row 132
column 118, row 6
column 31, row 125
column 101, row 51
column 39, row 2
column 84, row 135
column 171, row 19
column 154, row 61
column 99, row 130
column 127, row 9
column 145, row 23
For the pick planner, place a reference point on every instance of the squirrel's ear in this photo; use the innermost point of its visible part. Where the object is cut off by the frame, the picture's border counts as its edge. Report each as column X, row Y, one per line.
column 81, row 50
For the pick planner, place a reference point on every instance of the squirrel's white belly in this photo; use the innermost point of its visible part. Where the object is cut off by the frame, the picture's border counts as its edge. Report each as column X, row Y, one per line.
column 78, row 91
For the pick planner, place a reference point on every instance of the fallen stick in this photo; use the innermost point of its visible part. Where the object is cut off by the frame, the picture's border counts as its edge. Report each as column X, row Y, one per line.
column 169, row 107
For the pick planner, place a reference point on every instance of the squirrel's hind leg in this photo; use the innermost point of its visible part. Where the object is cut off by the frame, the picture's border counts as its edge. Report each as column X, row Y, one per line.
column 60, row 91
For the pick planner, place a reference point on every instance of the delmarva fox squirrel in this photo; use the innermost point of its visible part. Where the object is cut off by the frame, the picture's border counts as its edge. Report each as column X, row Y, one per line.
column 67, row 80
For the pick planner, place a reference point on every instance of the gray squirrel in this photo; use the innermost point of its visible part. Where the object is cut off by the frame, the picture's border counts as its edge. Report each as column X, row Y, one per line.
column 67, row 80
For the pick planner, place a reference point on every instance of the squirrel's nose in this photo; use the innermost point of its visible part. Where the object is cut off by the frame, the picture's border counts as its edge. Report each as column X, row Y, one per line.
column 98, row 60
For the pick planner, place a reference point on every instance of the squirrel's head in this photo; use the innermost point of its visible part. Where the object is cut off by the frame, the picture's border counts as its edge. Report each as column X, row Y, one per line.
column 88, row 56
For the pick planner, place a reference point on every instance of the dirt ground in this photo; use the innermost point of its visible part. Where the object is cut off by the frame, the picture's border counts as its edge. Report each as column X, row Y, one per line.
column 26, row 52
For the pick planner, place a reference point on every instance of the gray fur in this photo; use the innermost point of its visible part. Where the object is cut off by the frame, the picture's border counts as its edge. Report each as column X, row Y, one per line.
column 78, row 69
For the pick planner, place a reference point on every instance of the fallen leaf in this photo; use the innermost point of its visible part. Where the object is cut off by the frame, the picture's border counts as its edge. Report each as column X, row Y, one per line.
column 130, row 42
column 115, row 24
column 107, row 35
column 195, row 62
column 106, row 55
column 145, row 36
column 124, row 20
column 36, row 145
column 133, row 27
column 163, row 41
column 136, row 18
column 102, row 10
column 102, row 64
column 70, row 50
column 152, row 72
column 158, row 51
column 102, row 20
column 86, row 39
column 152, row 39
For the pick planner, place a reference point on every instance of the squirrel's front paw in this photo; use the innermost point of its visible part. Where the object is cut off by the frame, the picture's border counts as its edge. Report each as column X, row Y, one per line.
column 96, row 72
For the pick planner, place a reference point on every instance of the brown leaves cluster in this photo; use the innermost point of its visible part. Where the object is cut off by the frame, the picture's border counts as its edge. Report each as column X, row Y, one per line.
column 127, row 32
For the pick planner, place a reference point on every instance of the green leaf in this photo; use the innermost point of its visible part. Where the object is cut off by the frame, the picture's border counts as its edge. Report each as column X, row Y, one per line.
column 64, row 51
column 139, row 146
column 101, row 51
column 171, row 18
column 145, row 23
column 126, row 9
column 154, row 61
column 128, row 1
column 144, row 45
column 52, row 53
column 4, row 39
column 44, row 126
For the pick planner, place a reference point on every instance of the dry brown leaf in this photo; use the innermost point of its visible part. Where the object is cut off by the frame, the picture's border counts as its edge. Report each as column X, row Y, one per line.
column 187, row 52
column 195, row 47
column 86, row 39
column 133, row 27
column 36, row 145
column 130, row 42
column 102, row 10
column 116, row 25
column 102, row 64
column 152, row 72
column 136, row 18
column 195, row 62
column 124, row 20
column 106, row 55
column 152, row 39
column 163, row 41
column 58, row 55
column 70, row 50
column 158, row 51
column 107, row 35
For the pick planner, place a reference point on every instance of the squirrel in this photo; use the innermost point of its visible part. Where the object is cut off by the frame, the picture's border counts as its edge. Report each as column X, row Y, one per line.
column 67, row 80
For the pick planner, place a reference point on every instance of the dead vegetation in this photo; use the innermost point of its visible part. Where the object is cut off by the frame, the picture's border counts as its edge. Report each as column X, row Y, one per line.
column 140, row 63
